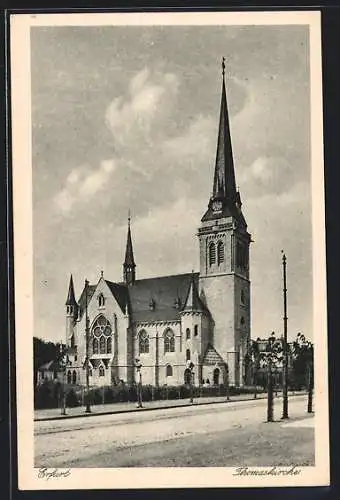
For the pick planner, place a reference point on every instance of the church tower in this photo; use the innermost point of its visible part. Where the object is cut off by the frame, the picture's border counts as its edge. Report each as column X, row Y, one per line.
column 129, row 266
column 224, row 256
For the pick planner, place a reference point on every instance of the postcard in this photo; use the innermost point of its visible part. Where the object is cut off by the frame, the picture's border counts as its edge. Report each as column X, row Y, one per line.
column 169, row 250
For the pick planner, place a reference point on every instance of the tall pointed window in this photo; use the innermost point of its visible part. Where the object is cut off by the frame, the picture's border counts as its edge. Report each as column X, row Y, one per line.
column 187, row 333
column 101, row 300
column 212, row 254
column 188, row 355
column 143, row 342
column 102, row 345
column 101, row 371
column 102, row 336
column 169, row 341
column 220, row 252
column 95, row 346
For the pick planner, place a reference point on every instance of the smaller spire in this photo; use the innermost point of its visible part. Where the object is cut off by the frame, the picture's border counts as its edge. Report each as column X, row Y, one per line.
column 129, row 266
column 193, row 302
column 102, row 274
column 71, row 300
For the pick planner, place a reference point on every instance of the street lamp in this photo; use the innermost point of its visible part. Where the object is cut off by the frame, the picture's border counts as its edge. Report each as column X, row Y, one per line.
column 139, row 365
column 190, row 367
column 87, row 361
column 63, row 361
column 285, row 346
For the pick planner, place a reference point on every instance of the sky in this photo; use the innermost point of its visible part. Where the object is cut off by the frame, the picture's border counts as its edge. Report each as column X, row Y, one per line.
column 125, row 118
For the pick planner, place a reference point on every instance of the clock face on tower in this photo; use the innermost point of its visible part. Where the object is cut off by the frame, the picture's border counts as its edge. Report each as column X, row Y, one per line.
column 217, row 206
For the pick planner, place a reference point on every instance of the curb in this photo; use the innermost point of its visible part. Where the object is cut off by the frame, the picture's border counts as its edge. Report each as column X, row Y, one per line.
column 134, row 410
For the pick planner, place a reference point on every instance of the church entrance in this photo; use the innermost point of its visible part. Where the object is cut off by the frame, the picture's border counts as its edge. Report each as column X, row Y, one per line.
column 216, row 376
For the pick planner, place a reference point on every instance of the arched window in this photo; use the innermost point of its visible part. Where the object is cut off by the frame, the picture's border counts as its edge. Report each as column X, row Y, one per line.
column 242, row 297
column 102, row 345
column 187, row 333
column 95, row 346
column 101, row 371
column 69, row 377
column 72, row 342
column 242, row 321
column 101, row 333
column 168, row 371
column 74, row 377
column 143, row 342
column 188, row 354
column 196, row 330
column 212, row 254
column 101, row 300
column 220, row 252
column 169, row 341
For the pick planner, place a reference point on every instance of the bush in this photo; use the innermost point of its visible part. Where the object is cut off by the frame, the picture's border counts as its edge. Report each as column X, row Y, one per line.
column 46, row 395
column 72, row 399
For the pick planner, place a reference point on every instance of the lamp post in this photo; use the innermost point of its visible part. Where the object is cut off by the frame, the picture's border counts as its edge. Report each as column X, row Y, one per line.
column 87, row 361
column 63, row 358
column 285, row 350
column 139, row 365
column 190, row 367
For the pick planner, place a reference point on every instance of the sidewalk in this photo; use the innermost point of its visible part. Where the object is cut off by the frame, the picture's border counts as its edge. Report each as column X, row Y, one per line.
column 107, row 409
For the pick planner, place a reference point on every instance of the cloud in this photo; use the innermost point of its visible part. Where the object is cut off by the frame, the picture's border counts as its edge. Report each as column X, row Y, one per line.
column 196, row 141
column 82, row 184
column 133, row 119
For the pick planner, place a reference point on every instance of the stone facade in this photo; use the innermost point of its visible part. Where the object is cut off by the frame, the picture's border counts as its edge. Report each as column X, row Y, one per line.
column 169, row 321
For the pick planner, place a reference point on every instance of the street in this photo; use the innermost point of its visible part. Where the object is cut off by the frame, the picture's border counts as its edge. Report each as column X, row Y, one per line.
column 226, row 434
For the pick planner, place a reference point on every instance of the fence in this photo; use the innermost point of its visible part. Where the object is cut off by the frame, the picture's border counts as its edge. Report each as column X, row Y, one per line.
column 49, row 395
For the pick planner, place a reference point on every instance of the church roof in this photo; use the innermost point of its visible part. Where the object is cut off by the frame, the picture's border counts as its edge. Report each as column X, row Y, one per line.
column 160, row 299
column 81, row 302
column 212, row 357
column 120, row 292
column 154, row 299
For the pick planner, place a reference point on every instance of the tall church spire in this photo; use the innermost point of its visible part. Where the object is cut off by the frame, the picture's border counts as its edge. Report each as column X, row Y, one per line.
column 224, row 187
column 71, row 300
column 129, row 266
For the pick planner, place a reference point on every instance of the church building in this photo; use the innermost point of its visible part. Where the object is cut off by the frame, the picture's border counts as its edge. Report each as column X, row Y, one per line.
column 165, row 322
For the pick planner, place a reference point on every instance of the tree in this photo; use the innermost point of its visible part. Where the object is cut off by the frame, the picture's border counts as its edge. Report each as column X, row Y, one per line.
column 303, row 366
column 43, row 352
column 252, row 360
column 271, row 357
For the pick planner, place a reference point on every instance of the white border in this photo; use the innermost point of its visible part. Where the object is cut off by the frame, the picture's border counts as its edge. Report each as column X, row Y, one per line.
column 23, row 257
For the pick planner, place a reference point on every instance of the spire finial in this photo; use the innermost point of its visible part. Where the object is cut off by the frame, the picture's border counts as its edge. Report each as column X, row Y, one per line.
column 101, row 273
column 223, row 66
column 129, row 217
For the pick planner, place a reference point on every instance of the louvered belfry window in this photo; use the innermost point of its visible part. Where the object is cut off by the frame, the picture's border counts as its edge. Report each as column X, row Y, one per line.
column 212, row 254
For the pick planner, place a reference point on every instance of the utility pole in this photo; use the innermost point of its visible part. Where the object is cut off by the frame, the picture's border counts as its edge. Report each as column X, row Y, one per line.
column 285, row 346
column 87, row 361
